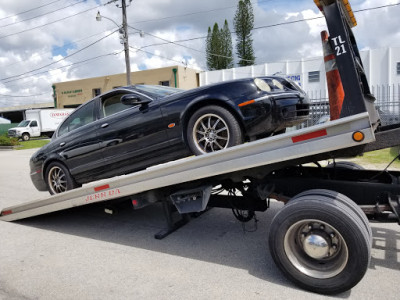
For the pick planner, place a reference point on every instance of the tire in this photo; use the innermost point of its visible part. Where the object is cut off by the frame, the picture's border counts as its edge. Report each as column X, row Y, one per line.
column 25, row 137
column 320, row 243
column 346, row 201
column 212, row 128
column 58, row 179
column 348, row 165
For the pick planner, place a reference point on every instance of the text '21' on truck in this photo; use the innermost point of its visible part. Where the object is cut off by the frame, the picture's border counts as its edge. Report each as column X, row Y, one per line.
column 321, row 239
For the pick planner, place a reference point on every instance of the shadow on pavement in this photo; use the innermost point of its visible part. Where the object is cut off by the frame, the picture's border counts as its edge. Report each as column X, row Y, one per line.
column 386, row 248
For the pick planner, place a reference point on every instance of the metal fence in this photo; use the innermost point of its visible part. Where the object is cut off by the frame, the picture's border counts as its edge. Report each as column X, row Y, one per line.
column 387, row 102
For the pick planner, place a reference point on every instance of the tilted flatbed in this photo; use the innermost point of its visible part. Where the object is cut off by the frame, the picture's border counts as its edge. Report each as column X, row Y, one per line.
column 275, row 150
column 321, row 238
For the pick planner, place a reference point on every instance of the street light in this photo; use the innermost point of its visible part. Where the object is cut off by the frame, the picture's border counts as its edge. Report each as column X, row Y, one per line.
column 123, row 30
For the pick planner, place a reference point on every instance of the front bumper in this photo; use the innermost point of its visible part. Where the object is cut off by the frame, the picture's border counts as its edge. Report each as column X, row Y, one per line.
column 269, row 115
column 13, row 133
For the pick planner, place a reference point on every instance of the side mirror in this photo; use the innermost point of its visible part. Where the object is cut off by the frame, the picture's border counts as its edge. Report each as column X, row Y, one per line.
column 131, row 99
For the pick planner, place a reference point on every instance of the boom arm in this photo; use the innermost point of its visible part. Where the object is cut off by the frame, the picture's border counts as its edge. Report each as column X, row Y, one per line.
column 340, row 19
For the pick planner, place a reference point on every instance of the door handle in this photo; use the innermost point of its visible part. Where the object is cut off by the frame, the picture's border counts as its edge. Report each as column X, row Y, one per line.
column 104, row 125
column 62, row 144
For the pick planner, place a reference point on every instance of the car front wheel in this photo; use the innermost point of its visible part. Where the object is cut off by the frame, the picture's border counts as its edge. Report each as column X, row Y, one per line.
column 58, row 179
column 213, row 128
column 25, row 137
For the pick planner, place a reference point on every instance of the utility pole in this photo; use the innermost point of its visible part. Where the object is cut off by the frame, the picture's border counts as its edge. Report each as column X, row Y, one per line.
column 126, row 43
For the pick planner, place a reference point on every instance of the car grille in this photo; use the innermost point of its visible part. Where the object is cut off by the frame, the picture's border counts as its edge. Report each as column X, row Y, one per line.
column 12, row 132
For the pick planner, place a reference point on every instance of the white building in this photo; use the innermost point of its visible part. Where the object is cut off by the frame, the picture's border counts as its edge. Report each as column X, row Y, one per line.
column 382, row 67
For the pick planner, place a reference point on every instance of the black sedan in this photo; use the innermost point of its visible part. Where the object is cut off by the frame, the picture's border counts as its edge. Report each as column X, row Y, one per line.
column 132, row 128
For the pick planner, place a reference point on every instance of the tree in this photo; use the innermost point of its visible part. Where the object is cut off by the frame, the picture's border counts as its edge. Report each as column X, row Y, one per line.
column 244, row 23
column 209, row 49
column 227, row 48
column 219, row 47
column 213, row 48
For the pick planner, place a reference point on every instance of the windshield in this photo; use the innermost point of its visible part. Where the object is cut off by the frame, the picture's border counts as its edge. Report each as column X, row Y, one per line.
column 157, row 90
column 23, row 123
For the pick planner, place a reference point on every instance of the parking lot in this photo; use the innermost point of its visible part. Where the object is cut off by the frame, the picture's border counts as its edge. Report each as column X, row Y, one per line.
column 83, row 253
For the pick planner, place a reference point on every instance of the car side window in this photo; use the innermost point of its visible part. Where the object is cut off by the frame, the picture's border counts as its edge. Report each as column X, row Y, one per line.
column 113, row 105
column 79, row 118
column 34, row 124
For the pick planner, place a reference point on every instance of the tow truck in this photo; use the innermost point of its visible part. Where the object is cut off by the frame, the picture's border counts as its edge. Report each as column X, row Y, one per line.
column 321, row 238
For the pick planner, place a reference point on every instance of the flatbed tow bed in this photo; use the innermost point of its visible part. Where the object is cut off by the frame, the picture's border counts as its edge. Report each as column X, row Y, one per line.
column 321, row 238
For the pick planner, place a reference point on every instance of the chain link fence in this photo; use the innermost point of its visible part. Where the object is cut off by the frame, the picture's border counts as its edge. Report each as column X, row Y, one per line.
column 387, row 102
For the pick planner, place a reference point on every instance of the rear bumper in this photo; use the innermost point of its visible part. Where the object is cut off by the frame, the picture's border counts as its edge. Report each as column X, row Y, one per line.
column 37, row 177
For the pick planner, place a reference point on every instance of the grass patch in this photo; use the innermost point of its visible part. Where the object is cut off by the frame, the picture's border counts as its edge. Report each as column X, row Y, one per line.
column 379, row 157
column 33, row 144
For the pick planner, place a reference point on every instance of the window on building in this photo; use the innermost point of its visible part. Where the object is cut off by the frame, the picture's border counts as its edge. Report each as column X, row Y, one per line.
column 164, row 83
column 313, row 76
column 398, row 68
column 96, row 92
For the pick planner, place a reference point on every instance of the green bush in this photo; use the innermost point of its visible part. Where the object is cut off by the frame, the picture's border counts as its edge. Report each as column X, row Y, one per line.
column 7, row 141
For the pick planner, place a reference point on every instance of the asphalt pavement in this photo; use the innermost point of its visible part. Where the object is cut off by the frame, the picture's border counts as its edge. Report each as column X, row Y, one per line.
column 83, row 253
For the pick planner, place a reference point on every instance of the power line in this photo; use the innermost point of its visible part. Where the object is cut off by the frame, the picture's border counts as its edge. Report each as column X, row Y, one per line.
column 7, row 79
column 191, row 39
column 62, row 19
column 256, row 28
column 22, row 96
column 174, row 43
column 63, row 46
column 70, row 65
column 153, row 54
column 26, row 11
column 320, row 17
column 197, row 12
column 45, row 14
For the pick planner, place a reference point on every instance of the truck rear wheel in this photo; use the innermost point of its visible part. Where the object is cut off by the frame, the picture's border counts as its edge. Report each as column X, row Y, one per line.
column 346, row 201
column 320, row 243
column 25, row 137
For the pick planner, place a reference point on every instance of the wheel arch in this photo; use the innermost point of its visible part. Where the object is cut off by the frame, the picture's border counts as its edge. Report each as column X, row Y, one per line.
column 50, row 160
column 207, row 102
column 26, row 133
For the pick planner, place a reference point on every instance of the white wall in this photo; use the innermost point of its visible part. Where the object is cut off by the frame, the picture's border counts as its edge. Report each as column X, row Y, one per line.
column 380, row 66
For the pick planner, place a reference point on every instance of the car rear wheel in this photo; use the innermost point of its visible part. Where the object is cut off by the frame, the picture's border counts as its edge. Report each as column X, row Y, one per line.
column 213, row 128
column 59, row 179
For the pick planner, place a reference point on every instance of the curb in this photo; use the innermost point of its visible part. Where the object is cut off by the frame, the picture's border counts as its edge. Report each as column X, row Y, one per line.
column 10, row 147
